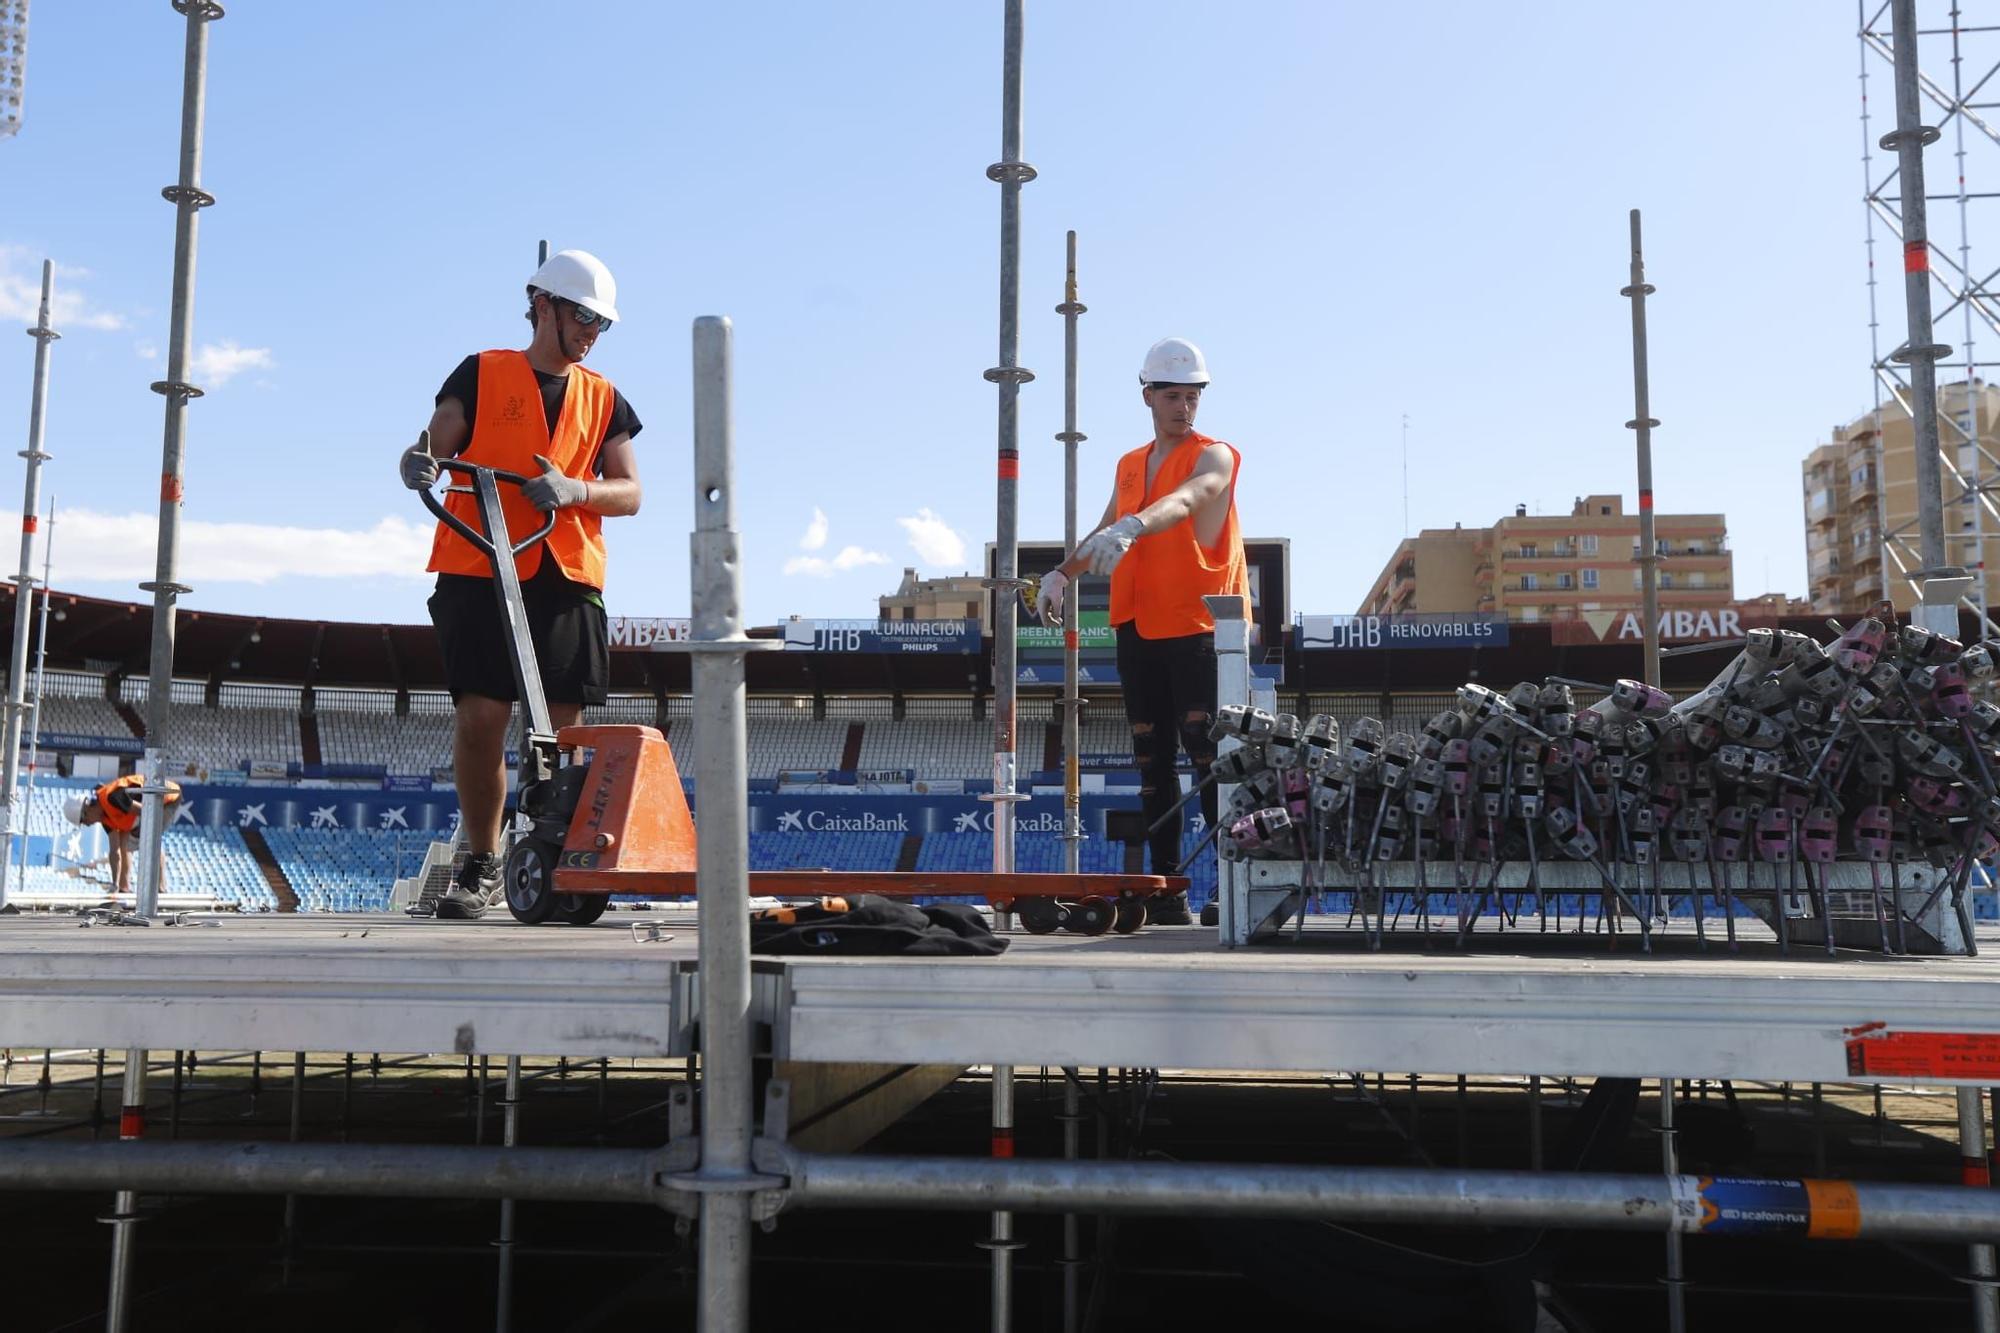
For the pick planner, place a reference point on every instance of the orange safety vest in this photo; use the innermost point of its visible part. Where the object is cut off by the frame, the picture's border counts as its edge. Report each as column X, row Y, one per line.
column 1162, row 579
column 119, row 821
column 509, row 428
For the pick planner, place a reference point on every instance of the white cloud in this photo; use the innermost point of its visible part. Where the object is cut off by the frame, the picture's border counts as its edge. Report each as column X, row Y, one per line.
column 850, row 557
column 815, row 534
column 123, row 548
column 21, row 294
column 933, row 539
column 215, row 364
column 147, row 349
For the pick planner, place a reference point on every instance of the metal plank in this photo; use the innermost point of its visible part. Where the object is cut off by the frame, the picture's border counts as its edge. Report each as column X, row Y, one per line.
column 1521, row 1016
column 330, row 986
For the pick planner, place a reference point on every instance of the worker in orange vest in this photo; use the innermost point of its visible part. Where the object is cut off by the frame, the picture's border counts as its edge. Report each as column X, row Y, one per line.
column 116, row 805
column 1168, row 538
column 539, row 413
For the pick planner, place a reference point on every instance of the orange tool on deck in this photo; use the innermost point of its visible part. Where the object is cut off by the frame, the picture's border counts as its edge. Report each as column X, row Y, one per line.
column 626, row 828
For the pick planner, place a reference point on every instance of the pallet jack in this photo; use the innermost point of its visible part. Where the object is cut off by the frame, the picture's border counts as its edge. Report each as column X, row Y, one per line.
column 606, row 812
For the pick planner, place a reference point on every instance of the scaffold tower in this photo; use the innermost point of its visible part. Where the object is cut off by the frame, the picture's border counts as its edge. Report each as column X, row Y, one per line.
column 1958, row 60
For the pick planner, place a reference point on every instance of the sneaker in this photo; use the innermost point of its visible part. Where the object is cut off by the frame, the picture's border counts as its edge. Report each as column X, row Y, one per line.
column 478, row 888
column 1169, row 909
column 1211, row 914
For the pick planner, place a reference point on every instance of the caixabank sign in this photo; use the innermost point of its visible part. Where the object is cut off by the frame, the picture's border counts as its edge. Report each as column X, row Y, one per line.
column 932, row 816
column 770, row 812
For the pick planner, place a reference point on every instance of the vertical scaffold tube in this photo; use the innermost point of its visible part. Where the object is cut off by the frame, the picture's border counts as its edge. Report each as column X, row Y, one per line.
column 1976, row 1173
column 1011, row 174
column 1642, row 423
column 125, row 1207
column 722, row 824
column 24, row 584
column 1072, row 700
column 510, row 1117
column 188, row 199
column 35, row 709
column 1670, row 1166
column 1919, row 351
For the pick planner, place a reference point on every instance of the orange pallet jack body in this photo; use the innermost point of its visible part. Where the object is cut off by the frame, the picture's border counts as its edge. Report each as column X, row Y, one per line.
column 631, row 833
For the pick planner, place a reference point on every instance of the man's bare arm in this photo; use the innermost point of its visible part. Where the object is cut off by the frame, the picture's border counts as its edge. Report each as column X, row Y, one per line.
column 1209, row 480
column 614, row 492
column 449, row 433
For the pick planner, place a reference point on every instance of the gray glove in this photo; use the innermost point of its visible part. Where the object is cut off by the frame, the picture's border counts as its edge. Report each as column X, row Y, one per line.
column 1102, row 550
column 554, row 489
column 417, row 468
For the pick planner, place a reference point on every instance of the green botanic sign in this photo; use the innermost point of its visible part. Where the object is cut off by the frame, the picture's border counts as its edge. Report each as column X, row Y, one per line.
column 1093, row 635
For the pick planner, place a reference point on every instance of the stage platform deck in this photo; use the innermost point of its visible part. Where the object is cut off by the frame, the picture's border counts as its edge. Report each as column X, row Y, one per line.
column 1513, row 1003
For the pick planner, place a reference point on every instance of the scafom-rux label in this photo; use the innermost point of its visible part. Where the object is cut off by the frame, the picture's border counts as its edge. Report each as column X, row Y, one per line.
column 1822, row 1209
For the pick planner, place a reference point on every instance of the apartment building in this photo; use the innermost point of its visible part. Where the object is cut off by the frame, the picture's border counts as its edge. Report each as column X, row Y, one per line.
column 1532, row 567
column 1861, row 501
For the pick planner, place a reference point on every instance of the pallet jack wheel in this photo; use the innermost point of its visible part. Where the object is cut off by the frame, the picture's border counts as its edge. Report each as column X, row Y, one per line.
column 528, row 878
column 1092, row 915
column 1131, row 915
column 1039, row 916
column 581, row 909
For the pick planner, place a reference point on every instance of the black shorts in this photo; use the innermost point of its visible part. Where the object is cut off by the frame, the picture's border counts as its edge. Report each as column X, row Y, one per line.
column 572, row 644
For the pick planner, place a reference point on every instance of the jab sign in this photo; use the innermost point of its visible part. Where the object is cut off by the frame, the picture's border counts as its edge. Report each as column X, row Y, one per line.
column 1678, row 625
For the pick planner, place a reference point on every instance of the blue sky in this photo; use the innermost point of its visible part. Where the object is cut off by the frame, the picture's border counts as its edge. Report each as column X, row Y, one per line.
column 1359, row 211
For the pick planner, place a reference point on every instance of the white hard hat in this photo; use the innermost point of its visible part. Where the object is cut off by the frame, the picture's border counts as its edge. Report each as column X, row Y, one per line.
column 73, row 809
column 1174, row 361
column 579, row 276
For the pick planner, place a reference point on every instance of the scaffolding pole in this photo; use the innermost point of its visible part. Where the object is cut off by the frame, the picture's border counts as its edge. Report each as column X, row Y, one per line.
column 1832, row 1211
column 1974, row 486
column 1010, row 173
column 24, row 583
column 725, row 1181
column 188, row 199
column 1919, row 351
column 1642, row 424
column 41, row 680
column 1072, row 697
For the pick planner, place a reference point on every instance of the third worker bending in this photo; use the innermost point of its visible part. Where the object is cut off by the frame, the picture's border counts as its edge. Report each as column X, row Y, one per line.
column 1168, row 538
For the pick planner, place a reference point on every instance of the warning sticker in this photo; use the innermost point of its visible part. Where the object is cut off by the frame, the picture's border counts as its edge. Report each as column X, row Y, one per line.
column 1972, row 1056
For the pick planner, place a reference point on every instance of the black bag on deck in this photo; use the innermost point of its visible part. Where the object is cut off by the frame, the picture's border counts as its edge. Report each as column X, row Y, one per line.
column 867, row 924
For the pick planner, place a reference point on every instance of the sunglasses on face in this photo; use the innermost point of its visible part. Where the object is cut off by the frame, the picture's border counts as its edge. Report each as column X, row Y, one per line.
column 590, row 319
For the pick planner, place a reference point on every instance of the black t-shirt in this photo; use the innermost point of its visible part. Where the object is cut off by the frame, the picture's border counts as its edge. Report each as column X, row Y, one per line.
column 463, row 384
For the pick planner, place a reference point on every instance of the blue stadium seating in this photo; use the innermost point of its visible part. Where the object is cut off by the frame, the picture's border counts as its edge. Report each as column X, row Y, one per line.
column 346, row 870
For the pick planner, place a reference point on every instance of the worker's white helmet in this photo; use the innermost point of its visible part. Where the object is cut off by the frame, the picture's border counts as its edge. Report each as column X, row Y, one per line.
column 1174, row 361
column 73, row 809
column 579, row 276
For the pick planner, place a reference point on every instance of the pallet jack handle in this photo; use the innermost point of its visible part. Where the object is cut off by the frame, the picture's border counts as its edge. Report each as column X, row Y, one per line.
column 480, row 541
column 537, row 740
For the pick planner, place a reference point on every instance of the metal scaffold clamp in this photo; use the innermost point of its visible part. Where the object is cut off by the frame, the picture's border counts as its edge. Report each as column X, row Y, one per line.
column 1905, row 354
column 1925, row 135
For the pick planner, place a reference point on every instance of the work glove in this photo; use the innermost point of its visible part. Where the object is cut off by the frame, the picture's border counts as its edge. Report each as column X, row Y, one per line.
column 417, row 468
column 554, row 489
column 1103, row 549
column 1049, row 597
